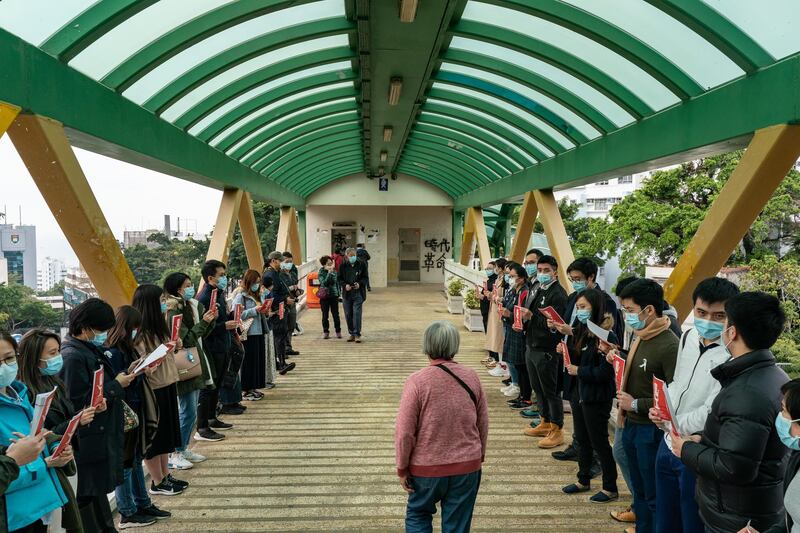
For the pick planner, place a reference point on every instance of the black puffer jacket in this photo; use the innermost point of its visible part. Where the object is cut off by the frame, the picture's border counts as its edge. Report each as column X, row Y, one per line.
column 740, row 462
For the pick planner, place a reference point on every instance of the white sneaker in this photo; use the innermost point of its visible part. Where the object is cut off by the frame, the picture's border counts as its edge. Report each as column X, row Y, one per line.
column 499, row 370
column 512, row 392
column 504, row 389
column 193, row 457
column 178, row 462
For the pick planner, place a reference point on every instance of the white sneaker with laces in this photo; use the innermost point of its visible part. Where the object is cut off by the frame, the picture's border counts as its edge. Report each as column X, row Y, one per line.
column 178, row 462
column 506, row 388
column 499, row 370
column 193, row 457
column 512, row 392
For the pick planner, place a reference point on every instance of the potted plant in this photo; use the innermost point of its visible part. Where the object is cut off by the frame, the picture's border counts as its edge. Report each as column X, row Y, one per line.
column 455, row 302
column 473, row 320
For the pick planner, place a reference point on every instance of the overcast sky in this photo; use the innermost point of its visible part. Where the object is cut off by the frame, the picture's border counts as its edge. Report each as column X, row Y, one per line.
column 131, row 197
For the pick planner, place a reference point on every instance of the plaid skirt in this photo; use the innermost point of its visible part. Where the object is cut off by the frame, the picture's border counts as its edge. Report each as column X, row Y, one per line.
column 513, row 346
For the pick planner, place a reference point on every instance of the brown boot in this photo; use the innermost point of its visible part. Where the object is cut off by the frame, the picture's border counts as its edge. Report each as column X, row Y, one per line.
column 553, row 439
column 541, row 430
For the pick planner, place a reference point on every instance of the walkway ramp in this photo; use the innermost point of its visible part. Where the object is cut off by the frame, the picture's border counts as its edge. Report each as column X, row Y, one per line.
column 317, row 454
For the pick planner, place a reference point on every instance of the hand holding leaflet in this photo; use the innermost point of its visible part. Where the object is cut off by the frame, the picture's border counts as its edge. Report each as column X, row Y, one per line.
column 97, row 387
column 68, row 433
column 176, row 327
column 212, row 304
column 42, row 405
column 598, row 332
column 237, row 313
column 552, row 314
column 619, row 371
column 565, row 353
column 266, row 306
column 660, row 399
column 517, row 318
column 153, row 358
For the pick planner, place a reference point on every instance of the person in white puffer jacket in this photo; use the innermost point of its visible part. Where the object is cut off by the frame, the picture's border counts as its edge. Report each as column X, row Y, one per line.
column 691, row 394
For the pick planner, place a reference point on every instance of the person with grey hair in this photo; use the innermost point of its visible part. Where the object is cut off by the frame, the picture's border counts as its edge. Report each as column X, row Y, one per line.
column 440, row 436
column 353, row 281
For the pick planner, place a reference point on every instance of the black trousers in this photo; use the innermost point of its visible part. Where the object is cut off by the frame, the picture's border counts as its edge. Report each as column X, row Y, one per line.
column 591, row 434
column 36, row 527
column 330, row 306
column 524, row 381
column 209, row 397
column 291, row 323
column 96, row 514
column 543, row 374
column 253, row 373
column 279, row 331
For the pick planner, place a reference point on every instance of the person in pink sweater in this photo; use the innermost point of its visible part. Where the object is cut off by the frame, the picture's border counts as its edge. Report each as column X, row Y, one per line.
column 440, row 436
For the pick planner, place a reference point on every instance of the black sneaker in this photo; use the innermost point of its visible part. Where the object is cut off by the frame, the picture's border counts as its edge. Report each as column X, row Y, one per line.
column 219, row 425
column 286, row 368
column 136, row 520
column 208, row 434
column 520, row 405
column 232, row 410
column 165, row 488
column 567, row 454
column 507, row 382
column 155, row 512
column 177, row 482
column 515, row 400
column 292, row 352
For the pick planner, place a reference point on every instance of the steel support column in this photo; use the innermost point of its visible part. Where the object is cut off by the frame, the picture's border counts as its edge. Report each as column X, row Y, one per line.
column 289, row 235
column 475, row 229
column 527, row 220
column 44, row 148
column 8, row 113
column 224, row 228
column 250, row 236
column 555, row 232
column 769, row 156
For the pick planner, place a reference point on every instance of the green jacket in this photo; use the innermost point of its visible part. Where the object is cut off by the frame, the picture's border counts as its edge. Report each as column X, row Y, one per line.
column 330, row 280
column 8, row 473
column 190, row 334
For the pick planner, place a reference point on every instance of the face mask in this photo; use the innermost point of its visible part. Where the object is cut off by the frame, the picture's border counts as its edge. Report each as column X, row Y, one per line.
column 99, row 338
column 508, row 279
column 254, row 287
column 489, row 271
column 188, row 293
column 134, row 333
column 708, row 329
column 531, row 270
column 544, row 279
column 579, row 286
column 222, row 282
column 583, row 315
column 8, row 373
column 54, row 365
column 266, row 294
column 163, row 307
column 352, row 259
column 633, row 320
column 784, row 429
column 725, row 344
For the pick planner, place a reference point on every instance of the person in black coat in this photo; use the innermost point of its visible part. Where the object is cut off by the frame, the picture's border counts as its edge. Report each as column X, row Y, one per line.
column 590, row 389
column 484, row 295
column 363, row 254
column 99, row 455
column 739, row 458
column 353, row 280
column 280, row 295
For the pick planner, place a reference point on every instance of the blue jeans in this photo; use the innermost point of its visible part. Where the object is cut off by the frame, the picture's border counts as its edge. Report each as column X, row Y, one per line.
column 620, row 458
column 352, row 302
column 641, row 445
column 187, row 409
column 457, row 496
column 676, row 508
column 514, row 374
column 132, row 493
column 231, row 396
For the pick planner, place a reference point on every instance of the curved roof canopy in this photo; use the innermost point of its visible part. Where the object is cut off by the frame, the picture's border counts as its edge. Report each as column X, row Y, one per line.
column 491, row 97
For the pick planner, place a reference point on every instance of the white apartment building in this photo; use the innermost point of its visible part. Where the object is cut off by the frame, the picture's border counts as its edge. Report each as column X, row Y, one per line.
column 51, row 272
column 597, row 199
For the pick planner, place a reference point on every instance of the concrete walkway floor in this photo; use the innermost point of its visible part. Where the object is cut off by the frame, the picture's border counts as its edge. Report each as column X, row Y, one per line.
column 317, row 453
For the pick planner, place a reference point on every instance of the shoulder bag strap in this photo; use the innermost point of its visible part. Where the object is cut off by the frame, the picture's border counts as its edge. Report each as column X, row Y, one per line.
column 460, row 382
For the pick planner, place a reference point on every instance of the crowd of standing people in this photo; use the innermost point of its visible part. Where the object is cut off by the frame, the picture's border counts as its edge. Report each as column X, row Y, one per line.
column 218, row 348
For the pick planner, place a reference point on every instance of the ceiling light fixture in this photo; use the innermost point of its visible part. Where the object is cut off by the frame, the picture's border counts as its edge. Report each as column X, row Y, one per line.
column 387, row 133
column 395, row 87
column 408, row 10
column 381, row 171
column 384, row 155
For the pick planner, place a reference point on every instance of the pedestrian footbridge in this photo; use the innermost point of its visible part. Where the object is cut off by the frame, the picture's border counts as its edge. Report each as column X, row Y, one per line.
column 317, row 454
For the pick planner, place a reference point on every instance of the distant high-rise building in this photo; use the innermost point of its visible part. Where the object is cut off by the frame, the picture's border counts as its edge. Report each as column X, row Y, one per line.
column 3, row 270
column 18, row 247
column 52, row 272
column 597, row 199
column 77, row 288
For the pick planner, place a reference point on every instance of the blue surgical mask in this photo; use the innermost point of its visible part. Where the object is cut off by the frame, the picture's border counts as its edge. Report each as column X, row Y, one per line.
column 222, row 282
column 583, row 315
column 531, row 270
column 266, row 294
column 163, row 307
column 254, row 287
column 508, row 279
column 286, row 265
column 579, row 286
column 99, row 338
column 134, row 333
column 708, row 329
column 489, row 271
column 352, row 259
column 54, row 365
column 784, row 428
column 544, row 279
column 633, row 320
column 8, row 373
column 188, row 293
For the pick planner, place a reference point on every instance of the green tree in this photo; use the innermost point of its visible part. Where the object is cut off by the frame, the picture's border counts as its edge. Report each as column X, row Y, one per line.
column 19, row 308
column 782, row 279
column 152, row 265
column 55, row 290
column 267, row 217
column 657, row 222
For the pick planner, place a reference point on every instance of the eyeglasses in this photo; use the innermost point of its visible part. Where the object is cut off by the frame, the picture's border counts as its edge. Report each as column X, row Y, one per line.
column 8, row 360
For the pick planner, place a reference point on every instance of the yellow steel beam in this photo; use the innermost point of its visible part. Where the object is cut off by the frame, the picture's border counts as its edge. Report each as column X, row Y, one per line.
column 250, row 236
column 480, row 235
column 467, row 237
column 224, row 228
column 527, row 220
column 289, row 235
column 45, row 150
column 8, row 113
column 768, row 158
column 556, row 234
